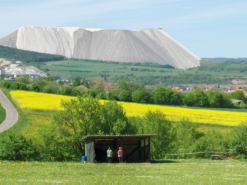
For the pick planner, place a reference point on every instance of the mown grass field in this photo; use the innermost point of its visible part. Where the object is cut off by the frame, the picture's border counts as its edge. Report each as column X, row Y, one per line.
column 189, row 172
column 50, row 102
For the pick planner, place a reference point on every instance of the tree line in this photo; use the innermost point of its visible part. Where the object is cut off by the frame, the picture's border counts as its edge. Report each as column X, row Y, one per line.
column 130, row 92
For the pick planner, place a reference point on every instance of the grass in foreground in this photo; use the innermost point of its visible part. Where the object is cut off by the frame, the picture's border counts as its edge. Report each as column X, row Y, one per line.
column 51, row 102
column 191, row 172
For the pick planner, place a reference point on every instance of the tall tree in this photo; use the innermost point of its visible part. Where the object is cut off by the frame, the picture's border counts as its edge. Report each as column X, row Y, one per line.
column 196, row 98
column 115, row 120
column 238, row 95
column 79, row 118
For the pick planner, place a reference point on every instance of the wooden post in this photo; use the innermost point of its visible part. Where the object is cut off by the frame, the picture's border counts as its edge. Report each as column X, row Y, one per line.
column 149, row 155
column 144, row 153
column 139, row 151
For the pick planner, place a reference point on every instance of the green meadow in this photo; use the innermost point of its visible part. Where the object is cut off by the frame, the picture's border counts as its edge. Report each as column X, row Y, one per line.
column 188, row 172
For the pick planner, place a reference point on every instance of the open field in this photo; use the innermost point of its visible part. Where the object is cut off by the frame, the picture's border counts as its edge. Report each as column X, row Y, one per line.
column 92, row 70
column 51, row 102
column 213, row 71
column 191, row 172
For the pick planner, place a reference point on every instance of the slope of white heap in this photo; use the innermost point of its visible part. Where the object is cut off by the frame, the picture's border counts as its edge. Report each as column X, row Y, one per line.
column 137, row 46
column 46, row 40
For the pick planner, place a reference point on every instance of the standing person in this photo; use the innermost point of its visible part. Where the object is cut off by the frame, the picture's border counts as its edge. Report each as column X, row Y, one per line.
column 120, row 154
column 109, row 154
column 84, row 159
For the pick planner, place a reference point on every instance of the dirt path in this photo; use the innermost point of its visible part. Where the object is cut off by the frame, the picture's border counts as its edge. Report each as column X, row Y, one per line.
column 11, row 113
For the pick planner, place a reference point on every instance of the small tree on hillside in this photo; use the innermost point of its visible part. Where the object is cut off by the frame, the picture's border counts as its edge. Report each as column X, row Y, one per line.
column 156, row 123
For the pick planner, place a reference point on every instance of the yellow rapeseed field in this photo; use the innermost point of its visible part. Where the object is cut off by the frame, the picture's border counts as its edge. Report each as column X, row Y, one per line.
column 43, row 101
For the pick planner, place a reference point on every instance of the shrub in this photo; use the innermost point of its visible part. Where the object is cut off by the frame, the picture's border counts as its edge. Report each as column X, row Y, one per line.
column 162, row 142
column 219, row 99
column 167, row 96
column 141, row 96
column 186, row 135
column 211, row 143
column 124, row 95
column 240, row 141
column 18, row 148
column 196, row 98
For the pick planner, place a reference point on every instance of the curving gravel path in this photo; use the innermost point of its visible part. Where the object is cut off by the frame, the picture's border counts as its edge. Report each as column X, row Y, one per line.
column 11, row 113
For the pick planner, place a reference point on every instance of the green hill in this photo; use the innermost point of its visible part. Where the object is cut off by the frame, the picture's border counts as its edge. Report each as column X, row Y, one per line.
column 211, row 71
column 27, row 56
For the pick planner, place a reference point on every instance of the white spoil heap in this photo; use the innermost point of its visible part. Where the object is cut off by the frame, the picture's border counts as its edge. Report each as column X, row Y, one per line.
column 137, row 46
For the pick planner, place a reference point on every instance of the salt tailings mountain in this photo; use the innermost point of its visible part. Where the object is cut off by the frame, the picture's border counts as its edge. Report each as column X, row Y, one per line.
column 135, row 46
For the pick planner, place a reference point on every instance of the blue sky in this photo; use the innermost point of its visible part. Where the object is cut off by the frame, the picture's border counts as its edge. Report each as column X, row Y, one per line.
column 210, row 28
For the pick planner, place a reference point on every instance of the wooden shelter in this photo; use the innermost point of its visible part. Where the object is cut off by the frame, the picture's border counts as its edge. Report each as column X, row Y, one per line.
column 136, row 147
